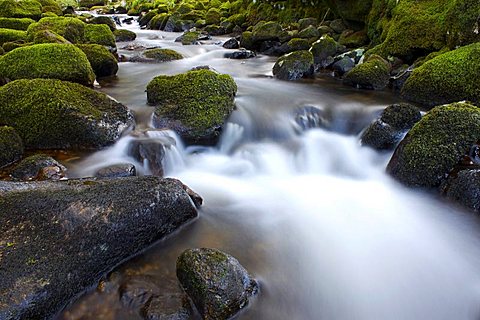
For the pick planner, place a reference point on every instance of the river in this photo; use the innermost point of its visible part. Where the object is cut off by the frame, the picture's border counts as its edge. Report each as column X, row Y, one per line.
column 308, row 211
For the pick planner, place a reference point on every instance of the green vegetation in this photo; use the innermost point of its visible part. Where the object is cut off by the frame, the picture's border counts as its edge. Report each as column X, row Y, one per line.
column 20, row 9
column 449, row 77
column 163, row 55
column 9, row 35
column 47, row 36
column 51, row 114
column 49, row 60
column 372, row 74
column 16, row 23
column 102, row 61
column 124, row 35
column 436, row 144
column 99, row 34
column 71, row 29
column 11, row 146
column 294, row 65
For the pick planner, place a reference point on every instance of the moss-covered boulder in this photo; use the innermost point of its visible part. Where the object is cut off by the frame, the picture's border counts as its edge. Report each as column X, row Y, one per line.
column 353, row 11
column 217, row 283
column 450, row 77
column 309, row 32
column 387, row 131
column 306, row 22
column 104, row 20
column 268, row 31
column 192, row 37
column 52, row 11
column 54, row 114
column 71, row 29
column 16, row 23
column 11, row 146
column 47, row 36
column 162, row 55
column 48, row 60
column 296, row 44
column 20, row 9
column 12, row 45
column 294, row 66
column 145, row 19
column 102, row 61
column 91, row 3
column 158, row 22
column 10, row 35
column 463, row 187
column 435, row 145
column 195, row 104
column 352, row 39
column 212, row 16
column 38, row 167
column 372, row 74
column 175, row 23
column 123, row 35
column 99, row 34
column 323, row 50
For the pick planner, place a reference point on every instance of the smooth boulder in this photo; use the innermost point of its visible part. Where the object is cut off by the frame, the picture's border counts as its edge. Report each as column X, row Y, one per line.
column 217, row 283
column 54, row 114
column 71, row 233
column 373, row 74
column 194, row 104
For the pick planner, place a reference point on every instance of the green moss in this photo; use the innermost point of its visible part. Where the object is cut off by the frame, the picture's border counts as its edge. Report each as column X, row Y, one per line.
column 436, row 144
column 52, row 9
column 147, row 17
column 11, row 146
column 91, row 3
column 102, row 61
column 12, row 45
column 99, row 34
column 71, row 29
column 237, row 19
column 325, row 47
column 372, row 74
column 246, row 41
column 192, row 15
column 47, row 36
column 294, row 65
column 8, row 35
column 159, row 21
column 20, row 9
column 16, row 23
column 450, row 77
column 124, row 35
column 352, row 39
column 50, row 114
column 49, row 60
column 200, row 100
column 401, row 115
column 309, row 32
column 190, row 37
column 267, row 31
column 103, row 20
column 213, row 16
column 163, row 55
column 297, row 44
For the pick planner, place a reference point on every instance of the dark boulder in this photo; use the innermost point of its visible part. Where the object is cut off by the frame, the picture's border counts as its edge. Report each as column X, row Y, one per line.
column 343, row 65
column 464, row 187
column 11, row 146
column 323, row 51
column 149, row 151
column 38, row 167
column 240, row 54
column 117, row 171
column 217, row 283
column 70, row 233
column 231, row 44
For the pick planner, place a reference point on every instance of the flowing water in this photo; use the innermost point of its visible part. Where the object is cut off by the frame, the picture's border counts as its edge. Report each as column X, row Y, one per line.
column 310, row 213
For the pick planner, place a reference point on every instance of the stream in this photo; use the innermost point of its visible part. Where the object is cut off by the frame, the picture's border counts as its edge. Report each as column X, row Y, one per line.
column 296, row 199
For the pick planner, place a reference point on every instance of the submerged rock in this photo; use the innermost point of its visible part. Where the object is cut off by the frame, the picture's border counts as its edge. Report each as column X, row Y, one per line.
column 54, row 114
column 70, row 233
column 240, row 54
column 149, row 152
column 194, row 104
column 435, row 145
column 11, row 146
column 38, row 167
column 293, row 66
column 217, row 283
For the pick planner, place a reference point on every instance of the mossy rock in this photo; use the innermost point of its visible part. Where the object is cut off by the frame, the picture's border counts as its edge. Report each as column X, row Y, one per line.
column 237, row 19
column 352, row 39
column 10, row 35
column 449, row 77
column 71, row 29
column 294, row 66
column 213, row 16
column 91, row 3
column 158, row 22
column 176, row 24
column 372, row 74
column 297, row 44
column 323, row 48
column 145, row 19
column 11, row 146
column 47, row 36
column 217, row 283
column 56, row 10
column 102, row 61
column 54, row 114
column 193, row 15
column 195, row 104
column 122, row 35
column 99, row 34
column 435, row 145
column 48, row 60
column 308, row 33
column 2, row 51
column 12, row 45
column 162, row 55
column 20, row 9
column 246, row 40
column 104, row 20
column 267, row 31
column 184, row 8
column 16, row 23
column 189, row 38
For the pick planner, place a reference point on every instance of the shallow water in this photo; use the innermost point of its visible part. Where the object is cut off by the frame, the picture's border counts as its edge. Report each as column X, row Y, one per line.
column 310, row 213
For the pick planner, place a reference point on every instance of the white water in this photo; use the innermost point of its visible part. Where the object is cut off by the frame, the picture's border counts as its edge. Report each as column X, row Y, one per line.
column 312, row 214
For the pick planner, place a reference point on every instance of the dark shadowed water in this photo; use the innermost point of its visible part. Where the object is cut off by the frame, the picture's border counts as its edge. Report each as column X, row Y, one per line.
column 311, row 214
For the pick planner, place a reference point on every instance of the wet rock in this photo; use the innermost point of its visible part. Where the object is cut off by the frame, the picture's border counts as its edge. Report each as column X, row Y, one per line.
column 306, row 22
column 117, row 171
column 435, row 145
column 380, row 136
column 337, row 25
column 62, row 114
column 150, row 152
column 343, row 65
column 167, row 307
column 463, row 187
column 60, row 237
column 104, row 20
column 295, row 44
column 162, row 55
column 373, row 74
column 402, row 116
column 269, row 31
column 123, row 35
column 400, row 76
column 194, row 104
column 127, row 20
column 240, row 54
column 231, row 44
column 38, row 167
column 11, row 146
column 293, row 66
column 136, row 291
column 323, row 49
column 121, row 10
column 192, row 37
column 309, row 117
column 215, row 281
